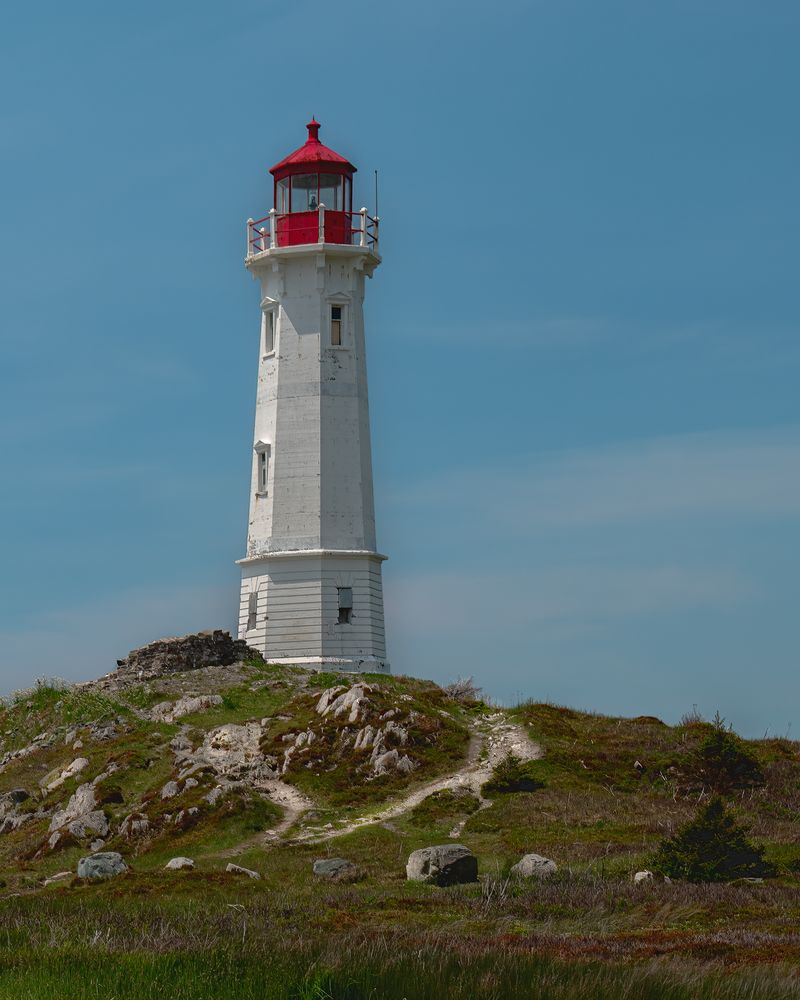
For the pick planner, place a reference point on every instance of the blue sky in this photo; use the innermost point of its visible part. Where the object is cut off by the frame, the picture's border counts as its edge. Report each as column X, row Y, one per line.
column 583, row 340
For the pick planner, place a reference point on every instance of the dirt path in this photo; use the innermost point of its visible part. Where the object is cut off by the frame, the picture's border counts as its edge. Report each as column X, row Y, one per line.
column 493, row 738
column 293, row 802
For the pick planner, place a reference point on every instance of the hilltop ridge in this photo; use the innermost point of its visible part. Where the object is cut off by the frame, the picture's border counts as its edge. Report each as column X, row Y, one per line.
column 273, row 769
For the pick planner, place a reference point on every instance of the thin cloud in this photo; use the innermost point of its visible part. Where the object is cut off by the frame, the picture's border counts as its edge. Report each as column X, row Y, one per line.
column 574, row 597
column 745, row 474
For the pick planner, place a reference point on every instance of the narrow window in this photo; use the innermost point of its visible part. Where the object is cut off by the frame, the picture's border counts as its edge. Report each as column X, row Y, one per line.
column 263, row 470
column 345, row 605
column 336, row 326
column 269, row 332
column 252, row 608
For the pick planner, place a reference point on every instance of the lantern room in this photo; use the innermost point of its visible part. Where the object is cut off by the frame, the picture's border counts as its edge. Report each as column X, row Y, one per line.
column 313, row 180
column 313, row 190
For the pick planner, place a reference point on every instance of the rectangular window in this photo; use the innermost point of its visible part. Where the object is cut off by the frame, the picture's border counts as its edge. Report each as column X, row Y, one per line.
column 282, row 200
column 345, row 605
column 336, row 326
column 269, row 332
column 252, row 608
column 263, row 471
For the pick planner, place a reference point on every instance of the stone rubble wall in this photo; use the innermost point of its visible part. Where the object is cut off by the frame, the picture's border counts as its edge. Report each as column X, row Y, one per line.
column 186, row 652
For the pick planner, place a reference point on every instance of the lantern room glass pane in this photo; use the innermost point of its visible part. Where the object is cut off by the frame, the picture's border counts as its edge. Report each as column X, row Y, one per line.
column 304, row 192
column 330, row 191
column 282, row 196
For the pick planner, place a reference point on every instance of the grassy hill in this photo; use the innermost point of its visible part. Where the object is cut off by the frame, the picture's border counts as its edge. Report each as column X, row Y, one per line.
column 268, row 775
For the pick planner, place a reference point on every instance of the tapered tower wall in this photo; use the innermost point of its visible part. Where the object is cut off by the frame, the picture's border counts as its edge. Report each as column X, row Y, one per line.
column 311, row 532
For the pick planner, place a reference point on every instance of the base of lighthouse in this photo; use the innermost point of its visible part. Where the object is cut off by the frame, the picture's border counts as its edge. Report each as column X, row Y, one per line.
column 320, row 608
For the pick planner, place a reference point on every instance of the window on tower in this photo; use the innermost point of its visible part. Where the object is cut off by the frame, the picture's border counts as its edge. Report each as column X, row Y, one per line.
column 336, row 326
column 282, row 196
column 330, row 191
column 305, row 188
column 262, row 459
column 252, row 609
column 345, row 605
column 269, row 332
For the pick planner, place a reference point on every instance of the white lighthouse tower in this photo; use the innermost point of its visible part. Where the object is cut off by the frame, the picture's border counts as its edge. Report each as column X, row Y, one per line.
column 311, row 580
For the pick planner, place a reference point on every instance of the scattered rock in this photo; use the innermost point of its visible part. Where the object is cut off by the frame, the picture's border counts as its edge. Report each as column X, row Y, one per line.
column 170, row 790
column 238, row 870
column 179, row 864
column 338, row 701
column 644, row 876
column 83, row 802
column 534, row 866
column 447, row 864
column 337, row 870
column 15, row 797
column 134, row 825
column 57, row 878
column 392, row 761
column 168, row 711
column 57, row 778
column 106, row 865
column 187, row 652
column 215, row 795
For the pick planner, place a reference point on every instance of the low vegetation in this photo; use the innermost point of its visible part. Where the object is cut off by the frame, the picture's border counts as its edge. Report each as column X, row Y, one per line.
column 608, row 798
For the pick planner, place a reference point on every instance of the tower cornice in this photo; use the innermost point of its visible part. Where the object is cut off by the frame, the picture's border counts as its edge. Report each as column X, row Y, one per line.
column 273, row 255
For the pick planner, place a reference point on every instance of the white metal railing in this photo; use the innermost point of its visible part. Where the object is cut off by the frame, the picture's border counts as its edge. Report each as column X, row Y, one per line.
column 348, row 228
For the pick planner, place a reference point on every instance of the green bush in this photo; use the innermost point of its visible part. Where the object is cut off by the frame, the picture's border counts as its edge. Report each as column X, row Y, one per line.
column 724, row 762
column 513, row 775
column 713, row 847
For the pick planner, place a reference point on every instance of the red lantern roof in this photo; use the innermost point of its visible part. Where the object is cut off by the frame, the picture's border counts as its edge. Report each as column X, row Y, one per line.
column 312, row 154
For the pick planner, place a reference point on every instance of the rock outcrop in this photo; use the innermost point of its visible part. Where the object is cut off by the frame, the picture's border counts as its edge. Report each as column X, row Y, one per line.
column 186, row 652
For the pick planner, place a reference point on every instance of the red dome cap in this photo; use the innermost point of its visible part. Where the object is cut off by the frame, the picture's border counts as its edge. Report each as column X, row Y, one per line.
column 312, row 154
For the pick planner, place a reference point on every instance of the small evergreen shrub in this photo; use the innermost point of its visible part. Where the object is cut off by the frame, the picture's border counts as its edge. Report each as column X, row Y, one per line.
column 724, row 762
column 712, row 847
column 513, row 775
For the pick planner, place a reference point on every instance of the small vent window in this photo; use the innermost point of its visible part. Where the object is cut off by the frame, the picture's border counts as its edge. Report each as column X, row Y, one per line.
column 252, row 609
column 345, row 605
column 336, row 326
column 262, row 458
column 269, row 332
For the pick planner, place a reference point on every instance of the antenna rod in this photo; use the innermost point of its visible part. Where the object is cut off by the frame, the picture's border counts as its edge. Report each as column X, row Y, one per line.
column 376, row 194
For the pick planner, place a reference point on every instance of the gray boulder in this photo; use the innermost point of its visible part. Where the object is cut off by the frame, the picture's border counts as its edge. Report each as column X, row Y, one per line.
column 105, row 865
column 534, row 866
column 238, row 870
column 335, row 868
column 178, row 864
column 447, row 864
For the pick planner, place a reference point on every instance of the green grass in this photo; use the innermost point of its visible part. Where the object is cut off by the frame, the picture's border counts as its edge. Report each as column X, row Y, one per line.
column 195, row 936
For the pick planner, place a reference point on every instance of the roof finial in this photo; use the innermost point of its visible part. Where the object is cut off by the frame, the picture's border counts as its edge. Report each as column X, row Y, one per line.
column 313, row 130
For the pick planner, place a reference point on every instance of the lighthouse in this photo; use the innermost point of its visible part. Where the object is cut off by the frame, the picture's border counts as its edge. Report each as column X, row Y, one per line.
column 311, row 589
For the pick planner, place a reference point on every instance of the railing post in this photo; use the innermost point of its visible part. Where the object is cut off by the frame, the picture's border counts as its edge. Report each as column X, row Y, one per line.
column 249, row 249
column 273, row 233
column 263, row 233
column 363, row 240
column 321, row 223
column 376, row 220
